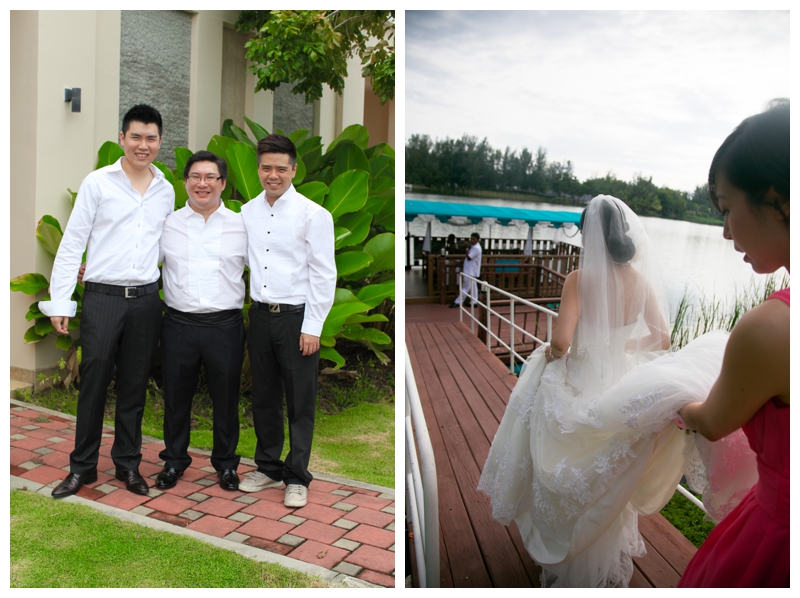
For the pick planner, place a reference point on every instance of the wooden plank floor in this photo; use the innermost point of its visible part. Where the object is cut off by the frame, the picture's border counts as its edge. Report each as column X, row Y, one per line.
column 464, row 390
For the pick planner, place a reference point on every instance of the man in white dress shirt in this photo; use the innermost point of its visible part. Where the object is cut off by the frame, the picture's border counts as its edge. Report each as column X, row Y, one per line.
column 204, row 248
column 292, row 285
column 472, row 266
column 119, row 211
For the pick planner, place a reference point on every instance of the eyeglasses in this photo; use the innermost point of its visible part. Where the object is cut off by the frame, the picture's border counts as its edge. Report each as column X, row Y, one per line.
column 210, row 179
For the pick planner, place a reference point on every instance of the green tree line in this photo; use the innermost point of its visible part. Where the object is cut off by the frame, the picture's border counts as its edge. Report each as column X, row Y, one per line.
column 466, row 165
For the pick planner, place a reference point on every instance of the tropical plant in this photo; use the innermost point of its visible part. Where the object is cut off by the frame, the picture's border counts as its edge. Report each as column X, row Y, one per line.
column 352, row 180
column 310, row 47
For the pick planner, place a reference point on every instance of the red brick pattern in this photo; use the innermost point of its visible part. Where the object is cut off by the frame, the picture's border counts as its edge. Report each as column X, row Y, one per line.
column 307, row 537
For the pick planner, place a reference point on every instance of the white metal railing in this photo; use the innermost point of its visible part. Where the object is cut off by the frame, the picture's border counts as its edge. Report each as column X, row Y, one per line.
column 421, row 486
column 514, row 327
column 487, row 288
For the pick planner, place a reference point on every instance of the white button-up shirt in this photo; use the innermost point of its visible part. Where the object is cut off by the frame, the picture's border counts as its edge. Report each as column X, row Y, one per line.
column 472, row 266
column 122, row 229
column 203, row 260
column 291, row 249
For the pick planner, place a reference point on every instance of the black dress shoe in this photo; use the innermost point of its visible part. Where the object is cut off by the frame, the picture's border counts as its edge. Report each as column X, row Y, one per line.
column 73, row 483
column 168, row 478
column 228, row 479
column 133, row 481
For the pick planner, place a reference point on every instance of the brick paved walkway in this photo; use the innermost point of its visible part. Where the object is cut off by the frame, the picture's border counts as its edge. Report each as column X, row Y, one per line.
column 346, row 531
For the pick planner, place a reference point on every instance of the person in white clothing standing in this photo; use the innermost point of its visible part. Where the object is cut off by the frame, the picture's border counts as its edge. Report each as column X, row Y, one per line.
column 119, row 212
column 472, row 267
column 204, row 249
column 292, row 285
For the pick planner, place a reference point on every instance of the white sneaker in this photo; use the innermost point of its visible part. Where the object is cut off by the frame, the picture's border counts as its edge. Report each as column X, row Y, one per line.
column 256, row 481
column 296, row 496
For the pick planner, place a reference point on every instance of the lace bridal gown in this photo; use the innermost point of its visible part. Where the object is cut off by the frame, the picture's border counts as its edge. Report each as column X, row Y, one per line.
column 587, row 442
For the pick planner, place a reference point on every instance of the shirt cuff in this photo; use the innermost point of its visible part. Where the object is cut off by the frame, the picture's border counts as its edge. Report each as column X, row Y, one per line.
column 311, row 327
column 58, row 308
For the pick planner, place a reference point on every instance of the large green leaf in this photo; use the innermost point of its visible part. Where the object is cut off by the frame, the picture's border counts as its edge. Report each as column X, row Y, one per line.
column 315, row 191
column 380, row 149
column 356, row 332
column 358, row 224
column 348, row 193
column 43, row 326
column 34, row 312
column 167, row 172
column 311, row 158
column 374, row 205
column 108, row 153
column 241, row 135
column 333, row 355
column 351, row 261
column 382, row 186
column 244, row 163
column 182, row 155
column 361, row 319
column 381, row 166
column 374, row 294
column 350, row 157
column 298, row 136
column 31, row 336
column 233, row 205
column 301, row 172
column 49, row 235
column 340, row 235
column 309, row 144
column 73, row 195
column 219, row 146
column 381, row 248
column 259, row 132
column 64, row 342
column 226, row 128
column 30, row 284
column 327, row 341
column 345, row 304
column 50, row 220
column 386, row 216
column 358, row 134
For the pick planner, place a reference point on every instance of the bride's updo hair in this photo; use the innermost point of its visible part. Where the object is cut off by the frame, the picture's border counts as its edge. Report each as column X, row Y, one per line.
column 615, row 227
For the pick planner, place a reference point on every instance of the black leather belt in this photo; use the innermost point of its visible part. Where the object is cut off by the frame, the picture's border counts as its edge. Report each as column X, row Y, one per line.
column 127, row 292
column 277, row 308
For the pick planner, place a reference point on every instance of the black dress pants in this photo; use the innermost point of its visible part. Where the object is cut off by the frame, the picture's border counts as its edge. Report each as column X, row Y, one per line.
column 120, row 332
column 184, row 347
column 279, row 367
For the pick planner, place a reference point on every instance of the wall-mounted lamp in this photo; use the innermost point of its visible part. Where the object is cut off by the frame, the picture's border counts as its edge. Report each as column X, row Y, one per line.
column 73, row 95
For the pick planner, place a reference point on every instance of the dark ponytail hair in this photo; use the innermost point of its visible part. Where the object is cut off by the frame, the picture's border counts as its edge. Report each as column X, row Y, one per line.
column 755, row 156
column 615, row 228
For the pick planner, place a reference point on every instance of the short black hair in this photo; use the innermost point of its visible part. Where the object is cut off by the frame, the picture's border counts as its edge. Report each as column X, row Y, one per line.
column 142, row 113
column 755, row 156
column 277, row 144
column 204, row 156
column 476, row 235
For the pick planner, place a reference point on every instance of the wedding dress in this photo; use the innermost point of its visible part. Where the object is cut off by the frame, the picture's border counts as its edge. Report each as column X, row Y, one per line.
column 587, row 442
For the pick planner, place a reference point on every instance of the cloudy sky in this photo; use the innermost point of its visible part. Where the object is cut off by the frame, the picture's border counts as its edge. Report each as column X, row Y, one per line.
column 624, row 92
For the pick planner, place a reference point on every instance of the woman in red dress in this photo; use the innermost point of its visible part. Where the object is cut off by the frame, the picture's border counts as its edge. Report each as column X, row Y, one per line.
column 749, row 183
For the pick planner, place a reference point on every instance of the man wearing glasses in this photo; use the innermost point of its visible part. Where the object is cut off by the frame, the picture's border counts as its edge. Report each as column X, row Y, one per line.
column 204, row 250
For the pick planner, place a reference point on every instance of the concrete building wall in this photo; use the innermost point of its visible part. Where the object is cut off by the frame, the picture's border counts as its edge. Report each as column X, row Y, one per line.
column 291, row 111
column 155, row 60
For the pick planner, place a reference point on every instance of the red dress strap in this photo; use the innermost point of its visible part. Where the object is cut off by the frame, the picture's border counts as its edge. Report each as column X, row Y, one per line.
column 783, row 295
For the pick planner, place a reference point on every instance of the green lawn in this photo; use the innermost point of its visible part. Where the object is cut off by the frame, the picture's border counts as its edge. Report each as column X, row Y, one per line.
column 55, row 545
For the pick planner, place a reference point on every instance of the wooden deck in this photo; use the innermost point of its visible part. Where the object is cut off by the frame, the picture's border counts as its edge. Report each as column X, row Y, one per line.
column 464, row 391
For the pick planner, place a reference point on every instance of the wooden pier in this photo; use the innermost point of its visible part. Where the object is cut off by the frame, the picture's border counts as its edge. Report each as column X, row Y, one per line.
column 464, row 390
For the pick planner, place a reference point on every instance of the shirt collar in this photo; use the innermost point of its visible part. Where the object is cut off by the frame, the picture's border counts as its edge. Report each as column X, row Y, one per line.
column 283, row 199
column 159, row 176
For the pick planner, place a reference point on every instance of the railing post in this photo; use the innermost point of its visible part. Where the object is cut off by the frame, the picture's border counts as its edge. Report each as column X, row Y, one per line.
column 488, row 317
column 513, row 322
column 460, row 280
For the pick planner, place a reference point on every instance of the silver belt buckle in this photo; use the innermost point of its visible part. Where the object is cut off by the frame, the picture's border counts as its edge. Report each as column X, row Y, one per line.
column 274, row 308
column 131, row 292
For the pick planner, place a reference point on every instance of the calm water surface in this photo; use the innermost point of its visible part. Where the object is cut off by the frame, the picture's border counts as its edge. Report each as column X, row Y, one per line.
column 693, row 255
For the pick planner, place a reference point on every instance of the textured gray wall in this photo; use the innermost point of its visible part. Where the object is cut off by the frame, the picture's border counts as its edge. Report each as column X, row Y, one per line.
column 290, row 111
column 155, row 58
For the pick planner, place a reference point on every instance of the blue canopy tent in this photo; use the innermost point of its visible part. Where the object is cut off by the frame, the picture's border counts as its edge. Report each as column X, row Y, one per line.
column 444, row 210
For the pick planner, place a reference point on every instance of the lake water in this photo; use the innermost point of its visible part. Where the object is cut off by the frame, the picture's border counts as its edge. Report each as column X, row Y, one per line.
column 693, row 255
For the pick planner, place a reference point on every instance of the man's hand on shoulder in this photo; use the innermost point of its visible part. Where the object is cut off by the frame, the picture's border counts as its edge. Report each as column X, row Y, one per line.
column 309, row 344
column 60, row 323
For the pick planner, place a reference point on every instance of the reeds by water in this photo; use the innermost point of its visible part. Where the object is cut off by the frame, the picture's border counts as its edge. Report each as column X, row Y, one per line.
column 695, row 318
